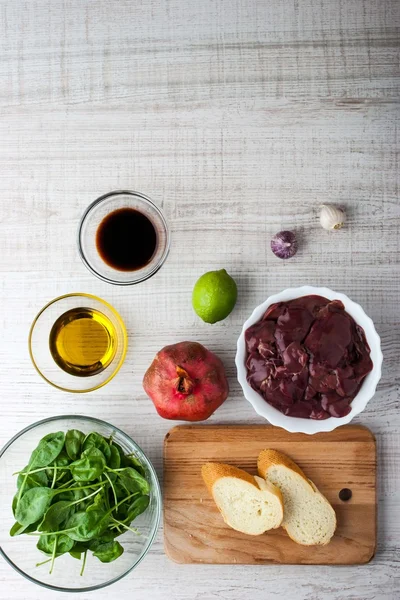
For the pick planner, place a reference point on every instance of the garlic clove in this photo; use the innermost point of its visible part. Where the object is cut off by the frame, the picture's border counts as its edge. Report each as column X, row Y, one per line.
column 331, row 217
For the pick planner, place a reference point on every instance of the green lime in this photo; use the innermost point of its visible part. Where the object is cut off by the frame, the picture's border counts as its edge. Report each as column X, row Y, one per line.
column 214, row 296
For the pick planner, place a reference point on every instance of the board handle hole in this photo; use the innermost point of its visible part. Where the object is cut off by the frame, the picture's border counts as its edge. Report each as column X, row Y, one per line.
column 345, row 494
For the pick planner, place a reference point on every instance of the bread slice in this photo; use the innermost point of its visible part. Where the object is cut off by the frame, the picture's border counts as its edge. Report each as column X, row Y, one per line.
column 308, row 518
column 248, row 504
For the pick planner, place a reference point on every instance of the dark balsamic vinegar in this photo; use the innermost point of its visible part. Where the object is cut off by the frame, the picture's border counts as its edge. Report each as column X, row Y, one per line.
column 126, row 239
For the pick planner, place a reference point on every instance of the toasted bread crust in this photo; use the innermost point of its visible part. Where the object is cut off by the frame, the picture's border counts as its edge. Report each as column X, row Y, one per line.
column 211, row 472
column 267, row 458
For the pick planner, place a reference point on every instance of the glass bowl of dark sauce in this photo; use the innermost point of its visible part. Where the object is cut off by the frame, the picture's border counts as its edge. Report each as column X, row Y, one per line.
column 123, row 238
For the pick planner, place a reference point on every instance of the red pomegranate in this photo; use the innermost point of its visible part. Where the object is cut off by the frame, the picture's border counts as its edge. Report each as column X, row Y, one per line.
column 186, row 382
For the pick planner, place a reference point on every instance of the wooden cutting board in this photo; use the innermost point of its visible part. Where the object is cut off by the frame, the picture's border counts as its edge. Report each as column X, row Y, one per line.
column 194, row 531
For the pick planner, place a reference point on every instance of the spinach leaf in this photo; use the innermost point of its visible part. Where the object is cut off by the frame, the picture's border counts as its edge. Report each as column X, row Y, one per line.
column 47, row 450
column 61, row 461
column 71, row 495
column 114, row 461
column 87, row 468
column 95, row 440
column 107, row 536
column 81, row 546
column 137, row 507
column 122, row 512
column 78, row 549
column 108, row 551
column 56, row 515
column 99, row 502
column 15, row 503
column 82, row 497
column 32, row 480
column 68, row 495
column 46, row 544
column 133, row 481
column 17, row 529
column 120, row 490
column 130, row 460
column 64, row 544
column 56, row 475
column 85, row 504
column 92, row 451
column 120, row 450
column 73, row 443
column 112, row 476
column 128, row 513
column 83, row 526
column 33, row 505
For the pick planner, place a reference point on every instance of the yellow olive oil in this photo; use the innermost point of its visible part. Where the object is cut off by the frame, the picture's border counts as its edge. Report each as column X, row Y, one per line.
column 83, row 342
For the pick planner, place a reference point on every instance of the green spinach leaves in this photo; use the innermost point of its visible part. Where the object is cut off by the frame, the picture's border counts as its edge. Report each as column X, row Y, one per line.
column 78, row 493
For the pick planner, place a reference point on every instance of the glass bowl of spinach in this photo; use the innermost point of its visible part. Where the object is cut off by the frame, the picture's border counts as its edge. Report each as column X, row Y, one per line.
column 80, row 503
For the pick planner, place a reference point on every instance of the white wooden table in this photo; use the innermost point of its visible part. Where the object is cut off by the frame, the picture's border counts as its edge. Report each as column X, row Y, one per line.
column 238, row 117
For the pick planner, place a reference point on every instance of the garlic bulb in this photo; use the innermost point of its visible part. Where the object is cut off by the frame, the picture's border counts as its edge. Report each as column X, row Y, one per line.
column 331, row 217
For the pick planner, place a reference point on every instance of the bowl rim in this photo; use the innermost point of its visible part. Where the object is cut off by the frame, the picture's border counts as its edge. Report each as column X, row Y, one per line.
column 121, row 359
column 296, row 424
column 158, row 513
column 160, row 213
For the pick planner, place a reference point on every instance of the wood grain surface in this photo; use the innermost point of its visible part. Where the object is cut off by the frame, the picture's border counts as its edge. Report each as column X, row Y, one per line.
column 238, row 117
column 194, row 531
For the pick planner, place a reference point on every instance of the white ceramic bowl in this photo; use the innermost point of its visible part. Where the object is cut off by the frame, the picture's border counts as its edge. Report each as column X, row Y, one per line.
column 367, row 390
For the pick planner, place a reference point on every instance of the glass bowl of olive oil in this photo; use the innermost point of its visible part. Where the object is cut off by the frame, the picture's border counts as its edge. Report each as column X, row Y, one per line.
column 78, row 342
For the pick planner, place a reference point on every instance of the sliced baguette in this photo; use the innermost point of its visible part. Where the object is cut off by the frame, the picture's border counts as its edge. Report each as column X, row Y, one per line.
column 248, row 504
column 308, row 518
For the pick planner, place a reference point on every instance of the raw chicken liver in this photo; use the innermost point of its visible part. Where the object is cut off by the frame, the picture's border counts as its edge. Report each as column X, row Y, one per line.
column 307, row 357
